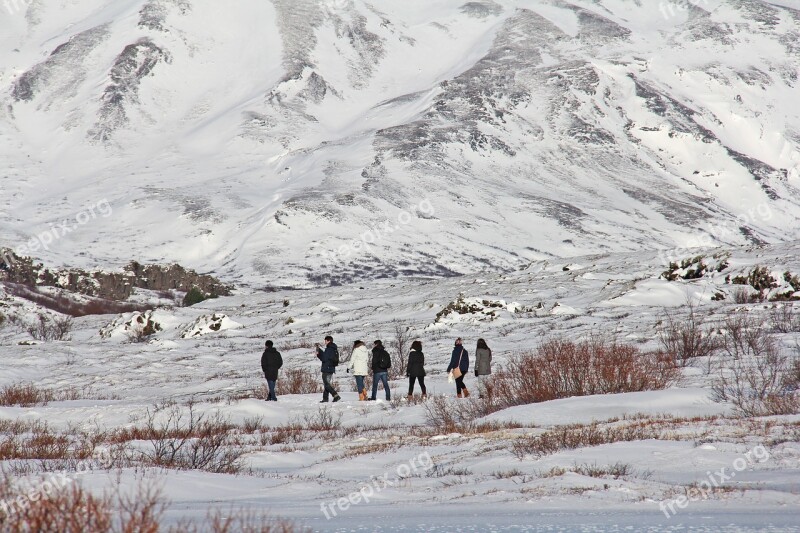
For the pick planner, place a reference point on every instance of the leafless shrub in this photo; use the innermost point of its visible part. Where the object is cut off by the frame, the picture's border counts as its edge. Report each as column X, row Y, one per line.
column 450, row 416
column 686, row 338
column 187, row 440
column 25, row 395
column 761, row 385
column 292, row 432
column 399, row 346
column 760, row 379
column 323, row 420
column 742, row 295
column 76, row 510
column 298, row 381
column 574, row 436
column 784, row 318
column 245, row 521
column 47, row 329
column 615, row 470
column 561, row 368
column 746, row 336
column 304, row 343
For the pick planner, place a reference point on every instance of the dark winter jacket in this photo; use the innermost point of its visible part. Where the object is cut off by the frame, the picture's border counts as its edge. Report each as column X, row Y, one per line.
column 416, row 364
column 459, row 353
column 326, row 357
column 483, row 362
column 271, row 361
column 376, row 357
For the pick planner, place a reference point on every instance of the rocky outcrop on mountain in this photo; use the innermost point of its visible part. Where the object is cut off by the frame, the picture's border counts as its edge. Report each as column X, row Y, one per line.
column 133, row 64
column 108, row 285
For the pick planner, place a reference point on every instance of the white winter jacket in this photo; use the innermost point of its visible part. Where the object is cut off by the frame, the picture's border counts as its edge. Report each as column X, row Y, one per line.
column 359, row 361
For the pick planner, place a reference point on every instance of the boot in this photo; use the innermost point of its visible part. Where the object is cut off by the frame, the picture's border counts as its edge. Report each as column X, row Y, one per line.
column 362, row 396
column 459, row 395
column 410, row 397
column 337, row 398
column 466, row 392
column 424, row 395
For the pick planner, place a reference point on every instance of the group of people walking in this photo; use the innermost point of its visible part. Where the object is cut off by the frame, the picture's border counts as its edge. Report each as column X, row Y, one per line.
column 360, row 366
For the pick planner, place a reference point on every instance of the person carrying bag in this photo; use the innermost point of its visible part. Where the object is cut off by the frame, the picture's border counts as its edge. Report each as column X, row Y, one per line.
column 458, row 368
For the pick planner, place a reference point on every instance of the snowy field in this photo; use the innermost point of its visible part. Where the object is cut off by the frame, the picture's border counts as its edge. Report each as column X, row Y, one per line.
column 411, row 475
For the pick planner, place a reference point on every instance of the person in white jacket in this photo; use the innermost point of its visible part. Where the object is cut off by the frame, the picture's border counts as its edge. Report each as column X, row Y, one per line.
column 359, row 366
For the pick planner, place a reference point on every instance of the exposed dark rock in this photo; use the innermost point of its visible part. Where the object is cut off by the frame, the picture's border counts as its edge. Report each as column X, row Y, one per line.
column 109, row 285
column 132, row 65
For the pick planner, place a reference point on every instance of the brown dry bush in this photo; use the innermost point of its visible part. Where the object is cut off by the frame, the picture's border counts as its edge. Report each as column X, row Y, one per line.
column 451, row 416
column 759, row 378
column 573, row 436
column 298, row 381
column 292, row 432
column 47, row 329
column 784, row 318
column 323, row 420
column 66, row 305
column 75, row 510
column 187, row 440
column 686, row 338
column 25, row 395
column 243, row 521
column 562, row 368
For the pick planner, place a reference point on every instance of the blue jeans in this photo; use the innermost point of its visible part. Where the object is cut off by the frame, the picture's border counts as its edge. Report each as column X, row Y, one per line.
column 383, row 377
column 360, row 383
column 271, row 385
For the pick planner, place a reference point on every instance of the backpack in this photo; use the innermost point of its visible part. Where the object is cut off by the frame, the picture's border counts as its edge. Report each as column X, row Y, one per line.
column 384, row 360
column 335, row 357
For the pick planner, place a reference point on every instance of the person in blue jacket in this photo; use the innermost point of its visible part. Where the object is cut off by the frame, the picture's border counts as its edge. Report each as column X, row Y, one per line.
column 329, row 358
column 460, row 360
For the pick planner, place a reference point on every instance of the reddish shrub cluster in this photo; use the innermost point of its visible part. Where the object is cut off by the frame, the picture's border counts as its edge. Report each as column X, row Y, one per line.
column 65, row 305
column 561, row 368
column 298, row 381
column 574, row 436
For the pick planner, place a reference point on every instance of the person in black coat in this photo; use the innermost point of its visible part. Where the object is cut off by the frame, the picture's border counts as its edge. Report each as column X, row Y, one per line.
column 329, row 357
column 381, row 363
column 271, row 362
column 416, row 369
column 460, row 359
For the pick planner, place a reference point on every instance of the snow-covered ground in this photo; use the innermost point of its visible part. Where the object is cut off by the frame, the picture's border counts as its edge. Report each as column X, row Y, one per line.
column 356, row 167
column 437, row 481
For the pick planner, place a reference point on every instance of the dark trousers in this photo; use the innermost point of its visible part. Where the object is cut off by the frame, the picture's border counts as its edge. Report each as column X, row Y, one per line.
column 383, row 377
column 271, row 385
column 326, row 382
column 421, row 384
column 460, row 384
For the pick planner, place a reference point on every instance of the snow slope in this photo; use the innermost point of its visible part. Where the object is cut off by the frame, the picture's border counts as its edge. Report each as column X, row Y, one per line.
column 303, row 143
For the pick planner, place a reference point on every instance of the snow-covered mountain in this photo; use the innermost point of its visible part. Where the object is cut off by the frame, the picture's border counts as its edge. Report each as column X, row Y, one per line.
column 299, row 142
